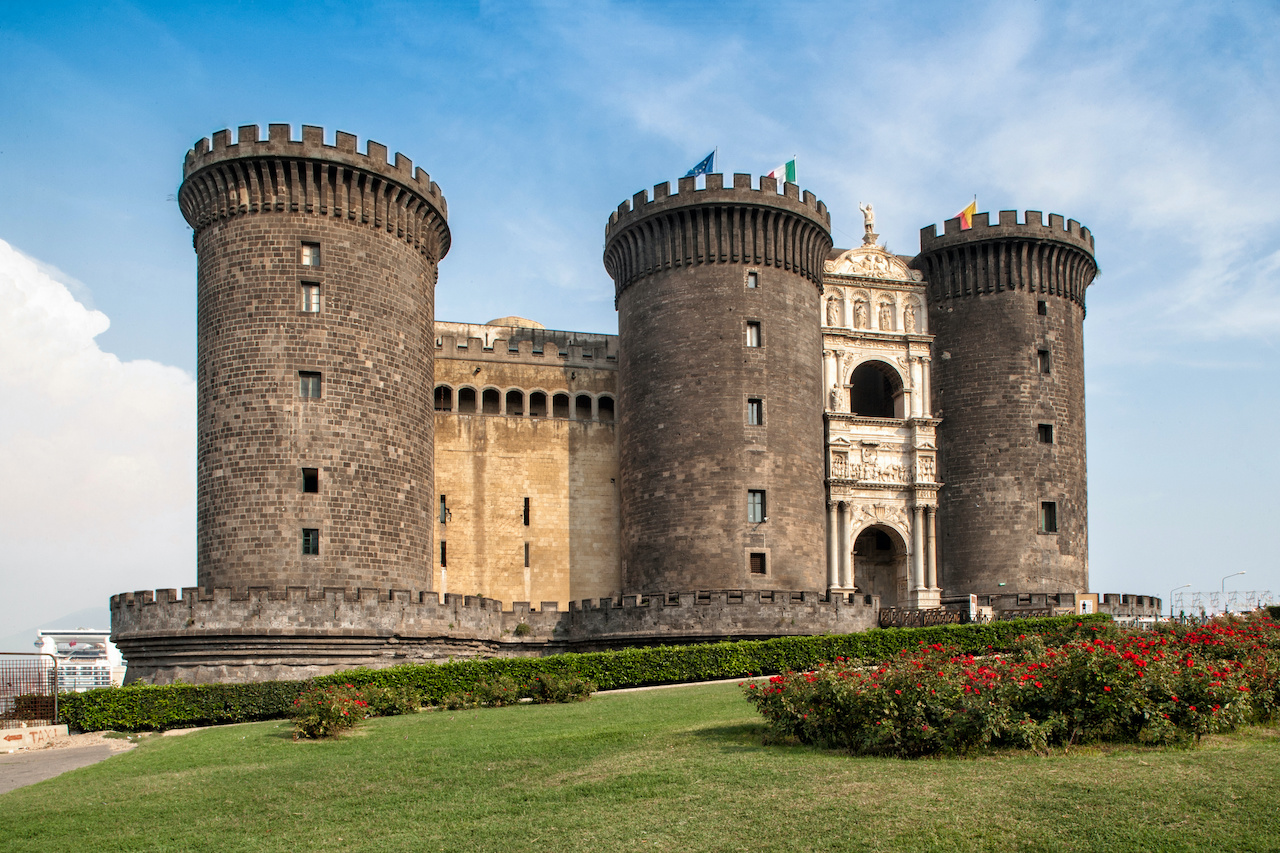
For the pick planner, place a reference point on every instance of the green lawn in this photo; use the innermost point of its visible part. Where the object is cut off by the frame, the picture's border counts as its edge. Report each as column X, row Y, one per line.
column 677, row 769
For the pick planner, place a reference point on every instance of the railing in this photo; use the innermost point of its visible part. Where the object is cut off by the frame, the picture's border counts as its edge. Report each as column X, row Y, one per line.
column 28, row 690
column 895, row 618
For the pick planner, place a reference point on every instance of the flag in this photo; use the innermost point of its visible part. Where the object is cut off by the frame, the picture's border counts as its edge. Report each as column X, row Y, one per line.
column 966, row 216
column 785, row 172
column 705, row 165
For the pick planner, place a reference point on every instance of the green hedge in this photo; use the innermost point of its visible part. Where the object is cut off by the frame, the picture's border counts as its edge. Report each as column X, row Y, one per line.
column 171, row 706
column 1274, row 610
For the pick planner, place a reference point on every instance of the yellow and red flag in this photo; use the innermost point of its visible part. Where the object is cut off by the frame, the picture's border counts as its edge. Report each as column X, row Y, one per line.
column 966, row 216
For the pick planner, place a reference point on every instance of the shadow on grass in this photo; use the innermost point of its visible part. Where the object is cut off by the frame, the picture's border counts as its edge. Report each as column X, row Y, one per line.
column 736, row 735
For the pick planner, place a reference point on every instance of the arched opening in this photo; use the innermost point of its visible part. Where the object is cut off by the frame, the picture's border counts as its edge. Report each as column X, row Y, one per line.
column 467, row 401
column 605, row 407
column 491, row 402
column 537, row 405
column 880, row 565
column 560, row 406
column 582, row 408
column 444, row 398
column 515, row 402
column 875, row 391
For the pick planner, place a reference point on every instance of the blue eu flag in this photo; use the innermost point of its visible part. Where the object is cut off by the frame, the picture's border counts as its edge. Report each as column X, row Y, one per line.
column 707, row 164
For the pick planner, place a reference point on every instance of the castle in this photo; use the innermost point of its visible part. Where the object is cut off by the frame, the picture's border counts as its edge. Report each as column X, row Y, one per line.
column 783, row 438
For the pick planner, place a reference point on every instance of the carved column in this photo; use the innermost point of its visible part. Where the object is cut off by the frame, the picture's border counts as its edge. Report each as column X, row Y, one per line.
column 931, row 549
column 917, row 548
column 846, row 547
column 917, row 389
column 833, row 545
column 831, row 375
column 927, row 403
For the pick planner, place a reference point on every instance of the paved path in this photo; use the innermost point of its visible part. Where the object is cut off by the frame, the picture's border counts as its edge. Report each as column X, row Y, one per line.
column 29, row 767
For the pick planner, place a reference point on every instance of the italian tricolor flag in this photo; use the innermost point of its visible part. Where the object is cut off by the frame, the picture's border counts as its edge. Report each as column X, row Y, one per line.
column 785, row 172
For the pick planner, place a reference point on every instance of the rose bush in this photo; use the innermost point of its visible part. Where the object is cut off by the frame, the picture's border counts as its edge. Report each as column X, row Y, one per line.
column 330, row 711
column 1164, row 686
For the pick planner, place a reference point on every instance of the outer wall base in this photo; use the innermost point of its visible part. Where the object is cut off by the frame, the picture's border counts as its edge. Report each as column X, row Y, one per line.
column 207, row 637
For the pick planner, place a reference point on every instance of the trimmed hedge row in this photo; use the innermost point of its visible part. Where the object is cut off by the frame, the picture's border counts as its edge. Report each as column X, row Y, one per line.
column 145, row 707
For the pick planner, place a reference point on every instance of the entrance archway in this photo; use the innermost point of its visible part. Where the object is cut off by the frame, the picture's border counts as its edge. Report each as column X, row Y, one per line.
column 880, row 565
column 875, row 391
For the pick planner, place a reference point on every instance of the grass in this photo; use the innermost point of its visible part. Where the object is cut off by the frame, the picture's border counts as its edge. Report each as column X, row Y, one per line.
column 677, row 769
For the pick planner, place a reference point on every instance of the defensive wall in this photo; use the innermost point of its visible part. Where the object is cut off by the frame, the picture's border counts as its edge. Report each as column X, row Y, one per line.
column 205, row 636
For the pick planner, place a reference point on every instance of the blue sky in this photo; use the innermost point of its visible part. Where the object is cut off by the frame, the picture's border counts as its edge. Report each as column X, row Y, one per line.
column 1153, row 124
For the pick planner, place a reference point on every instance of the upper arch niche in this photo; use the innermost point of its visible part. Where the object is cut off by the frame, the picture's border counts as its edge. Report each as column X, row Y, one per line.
column 876, row 391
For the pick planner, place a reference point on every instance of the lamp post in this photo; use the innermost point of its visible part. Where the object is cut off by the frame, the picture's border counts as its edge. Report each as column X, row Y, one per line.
column 1171, row 592
column 1224, row 580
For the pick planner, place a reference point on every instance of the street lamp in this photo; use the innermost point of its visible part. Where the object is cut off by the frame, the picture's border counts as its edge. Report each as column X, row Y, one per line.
column 1171, row 592
column 1224, row 580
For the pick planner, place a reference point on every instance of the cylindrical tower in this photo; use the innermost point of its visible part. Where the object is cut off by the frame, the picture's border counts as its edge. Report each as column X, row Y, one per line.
column 317, row 271
column 1006, row 307
column 720, row 385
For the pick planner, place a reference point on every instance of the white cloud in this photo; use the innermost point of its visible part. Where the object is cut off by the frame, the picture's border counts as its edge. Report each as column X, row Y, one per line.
column 97, row 456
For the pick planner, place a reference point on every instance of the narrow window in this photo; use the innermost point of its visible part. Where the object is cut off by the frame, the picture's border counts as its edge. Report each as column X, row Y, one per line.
column 311, row 254
column 526, row 555
column 311, row 480
column 444, row 555
column 444, row 510
column 311, row 297
column 560, row 406
column 755, row 506
column 515, row 402
column 1048, row 517
column 757, row 564
column 444, row 398
column 753, row 334
column 526, row 512
column 1046, row 433
column 604, row 409
column 537, row 405
column 467, row 400
column 582, row 408
column 755, row 412
column 1042, row 308
column 490, row 402
column 310, row 540
column 308, row 384
column 1043, row 356
column 753, row 280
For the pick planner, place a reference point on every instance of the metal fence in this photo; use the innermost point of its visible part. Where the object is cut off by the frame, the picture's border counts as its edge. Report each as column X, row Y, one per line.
column 1200, row 604
column 28, row 689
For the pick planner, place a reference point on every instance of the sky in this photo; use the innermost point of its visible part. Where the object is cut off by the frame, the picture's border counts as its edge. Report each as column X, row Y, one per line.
column 1154, row 124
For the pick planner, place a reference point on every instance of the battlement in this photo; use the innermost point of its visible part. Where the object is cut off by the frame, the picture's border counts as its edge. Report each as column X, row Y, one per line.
column 1032, row 227
column 222, row 179
column 488, row 342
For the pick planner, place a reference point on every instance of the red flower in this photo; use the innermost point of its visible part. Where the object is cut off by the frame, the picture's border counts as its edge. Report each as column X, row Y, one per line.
column 1108, row 689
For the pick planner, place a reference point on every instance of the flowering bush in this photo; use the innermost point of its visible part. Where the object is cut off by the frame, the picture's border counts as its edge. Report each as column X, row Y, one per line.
column 560, row 688
column 543, row 689
column 329, row 711
column 1163, row 686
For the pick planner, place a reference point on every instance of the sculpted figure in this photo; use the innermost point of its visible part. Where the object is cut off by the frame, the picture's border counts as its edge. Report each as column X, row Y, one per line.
column 833, row 312
column 868, row 217
column 833, row 400
column 886, row 317
column 859, row 314
column 909, row 318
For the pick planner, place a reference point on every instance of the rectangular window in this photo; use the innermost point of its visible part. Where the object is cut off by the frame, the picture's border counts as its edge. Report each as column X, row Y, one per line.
column 526, row 555
column 1042, row 308
column 753, row 334
column 310, row 540
column 526, row 512
column 1048, row 517
column 444, row 510
column 308, row 384
column 1043, row 356
column 1045, row 431
column 755, row 506
column 311, row 254
column 755, row 412
column 444, row 555
column 757, row 564
column 311, row 297
column 311, row 480
column 753, row 279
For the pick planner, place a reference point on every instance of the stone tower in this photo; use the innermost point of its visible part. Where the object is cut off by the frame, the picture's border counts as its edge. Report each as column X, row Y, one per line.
column 317, row 272
column 1006, row 307
column 720, row 385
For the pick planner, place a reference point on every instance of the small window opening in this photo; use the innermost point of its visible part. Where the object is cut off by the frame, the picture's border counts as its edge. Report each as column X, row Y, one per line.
column 444, row 554
column 444, row 510
column 753, row 334
column 605, row 408
column 308, row 384
column 467, row 401
column 526, row 512
column 1024, row 599
column 1043, row 358
column 755, row 412
column 311, row 480
column 526, row 555
column 311, row 540
column 515, row 402
column 582, row 408
column 537, row 405
column 756, row 506
column 491, row 402
column 1045, row 431
column 311, row 254
column 757, row 564
column 444, row 398
column 1042, row 308
column 1048, row 517
column 311, row 297
column 753, row 279
column 560, row 406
